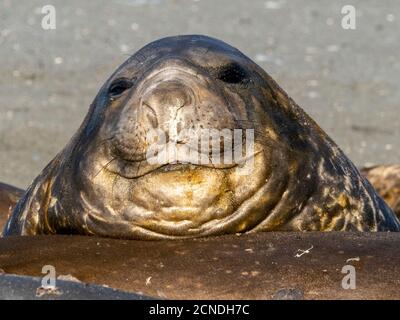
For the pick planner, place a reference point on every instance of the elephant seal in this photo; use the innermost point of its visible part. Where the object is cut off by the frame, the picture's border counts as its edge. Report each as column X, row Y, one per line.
column 103, row 182
column 265, row 265
column 9, row 196
column 386, row 181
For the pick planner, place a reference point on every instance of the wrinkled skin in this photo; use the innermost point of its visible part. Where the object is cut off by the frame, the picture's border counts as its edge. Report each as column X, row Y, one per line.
column 102, row 184
column 386, row 181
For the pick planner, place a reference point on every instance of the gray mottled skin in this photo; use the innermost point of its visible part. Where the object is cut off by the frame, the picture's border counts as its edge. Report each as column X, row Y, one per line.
column 100, row 183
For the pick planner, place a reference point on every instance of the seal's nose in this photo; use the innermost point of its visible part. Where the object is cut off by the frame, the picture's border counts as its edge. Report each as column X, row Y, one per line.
column 163, row 102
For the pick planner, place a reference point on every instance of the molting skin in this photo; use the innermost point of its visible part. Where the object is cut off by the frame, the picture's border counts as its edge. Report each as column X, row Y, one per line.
column 103, row 184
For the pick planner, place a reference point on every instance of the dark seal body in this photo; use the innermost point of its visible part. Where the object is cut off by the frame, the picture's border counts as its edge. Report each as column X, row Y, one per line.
column 102, row 182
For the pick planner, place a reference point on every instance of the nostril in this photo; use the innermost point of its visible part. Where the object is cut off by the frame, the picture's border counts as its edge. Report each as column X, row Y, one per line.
column 176, row 99
column 160, row 104
column 180, row 102
column 150, row 115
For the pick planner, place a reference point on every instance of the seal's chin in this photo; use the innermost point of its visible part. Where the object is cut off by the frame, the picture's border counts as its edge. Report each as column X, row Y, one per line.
column 177, row 200
column 136, row 200
column 180, row 200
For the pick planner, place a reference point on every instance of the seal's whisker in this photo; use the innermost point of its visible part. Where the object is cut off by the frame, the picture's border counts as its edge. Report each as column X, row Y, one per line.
column 99, row 144
column 113, row 184
column 104, row 167
column 138, row 168
column 252, row 122
column 212, row 164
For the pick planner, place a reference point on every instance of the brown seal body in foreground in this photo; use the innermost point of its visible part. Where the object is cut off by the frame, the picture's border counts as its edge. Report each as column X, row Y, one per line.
column 267, row 265
column 386, row 181
column 9, row 196
column 102, row 182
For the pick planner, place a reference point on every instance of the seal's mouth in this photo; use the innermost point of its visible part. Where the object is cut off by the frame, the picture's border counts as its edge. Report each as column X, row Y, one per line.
column 133, row 169
column 179, row 158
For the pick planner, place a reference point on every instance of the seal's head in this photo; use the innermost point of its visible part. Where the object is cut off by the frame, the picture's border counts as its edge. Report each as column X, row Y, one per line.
column 141, row 167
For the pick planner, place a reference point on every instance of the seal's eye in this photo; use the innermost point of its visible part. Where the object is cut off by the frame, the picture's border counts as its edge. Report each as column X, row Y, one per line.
column 232, row 73
column 119, row 86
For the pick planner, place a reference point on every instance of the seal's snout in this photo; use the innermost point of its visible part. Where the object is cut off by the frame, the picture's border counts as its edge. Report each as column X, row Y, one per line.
column 163, row 102
column 173, row 102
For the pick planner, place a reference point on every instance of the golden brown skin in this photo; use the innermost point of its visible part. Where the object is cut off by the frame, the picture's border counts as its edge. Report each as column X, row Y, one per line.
column 101, row 183
column 384, row 178
column 386, row 181
column 9, row 196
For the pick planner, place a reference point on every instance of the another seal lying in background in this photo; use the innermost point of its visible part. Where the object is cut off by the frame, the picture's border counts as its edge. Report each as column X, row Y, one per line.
column 386, row 181
column 102, row 183
column 9, row 196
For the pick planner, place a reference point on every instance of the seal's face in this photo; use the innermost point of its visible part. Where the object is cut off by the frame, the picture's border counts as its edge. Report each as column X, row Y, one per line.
column 166, row 95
